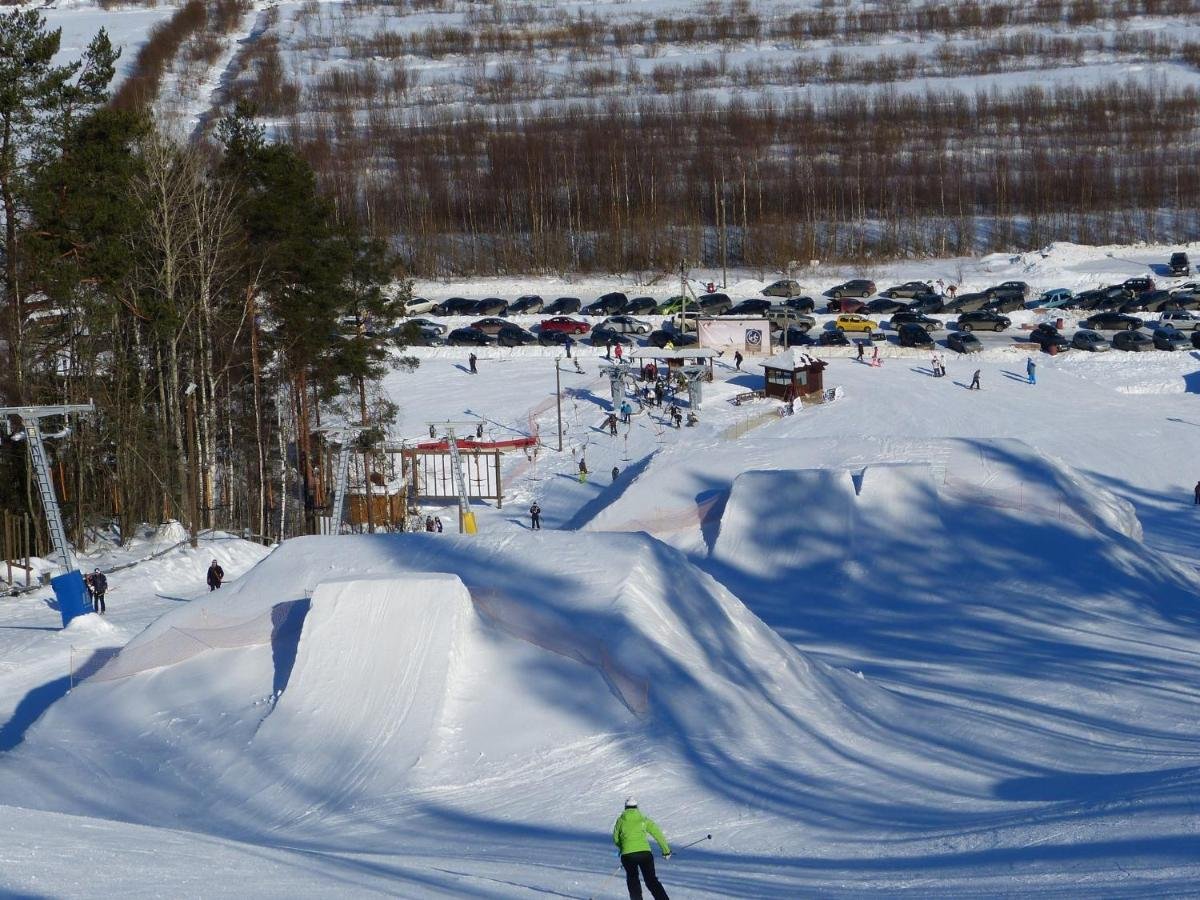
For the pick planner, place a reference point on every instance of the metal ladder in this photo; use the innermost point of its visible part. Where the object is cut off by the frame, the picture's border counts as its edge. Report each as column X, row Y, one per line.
column 41, row 474
column 460, row 480
column 339, row 491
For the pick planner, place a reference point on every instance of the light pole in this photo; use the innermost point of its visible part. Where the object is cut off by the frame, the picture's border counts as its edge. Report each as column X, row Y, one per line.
column 558, row 400
column 193, row 465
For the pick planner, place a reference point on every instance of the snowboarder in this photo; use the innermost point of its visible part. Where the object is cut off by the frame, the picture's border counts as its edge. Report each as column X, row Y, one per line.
column 975, row 382
column 616, row 473
column 626, row 412
column 583, row 472
column 437, row 524
column 737, row 359
column 1031, row 369
column 471, row 360
column 610, row 422
column 99, row 589
column 676, row 415
column 215, row 576
column 535, row 517
column 631, row 834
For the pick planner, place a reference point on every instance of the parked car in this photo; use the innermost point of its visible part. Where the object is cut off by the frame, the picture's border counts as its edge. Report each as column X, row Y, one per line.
column 1138, row 284
column 436, row 327
column 415, row 336
column 1134, row 341
column 927, row 303
column 1111, row 321
column 800, row 304
column 913, row 335
column 490, row 325
column 565, row 324
column 1094, row 299
column 907, row 317
column 1188, row 287
column 455, row 306
column 1186, row 299
column 1089, row 340
column 1149, row 301
column 714, row 304
column 1019, row 288
column 641, row 306
column 564, row 306
column 514, row 336
column 674, row 304
column 1179, row 265
column 626, row 325
column 491, row 306
column 555, row 339
column 785, row 288
column 885, row 305
column 1171, row 339
column 1182, row 319
column 1055, row 297
column 908, row 289
column 416, row 306
column 793, row 337
column 527, row 305
column 967, row 302
column 833, row 339
column 606, row 337
column 1047, row 336
column 855, row 287
column 663, row 336
column 468, row 337
column 963, row 342
column 1196, row 339
column 855, row 323
column 1002, row 303
column 606, row 305
column 983, row 320
column 845, row 305
column 791, row 318
column 756, row 306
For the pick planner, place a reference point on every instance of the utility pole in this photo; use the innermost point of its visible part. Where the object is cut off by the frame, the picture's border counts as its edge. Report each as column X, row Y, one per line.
column 558, row 400
column 193, row 467
column 724, row 240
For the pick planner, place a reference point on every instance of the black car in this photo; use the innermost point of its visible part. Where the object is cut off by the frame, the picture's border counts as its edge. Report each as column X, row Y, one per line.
column 800, row 304
column 469, row 337
column 714, row 304
column 563, row 306
column 555, row 339
column 1134, row 341
column 908, row 289
column 1111, row 321
column 753, row 307
column 793, row 337
column 1138, row 284
column 608, row 305
column 606, row 337
column 455, row 306
column 1047, row 336
column 1150, row 301
column 414, row 335
column 529, row 304
column 1179, row 265
column 641, row 306
column 1002, row 303
column 1170, row 339
column 885, row 305
column 855, row 287
column 963, row 342
column 927, row 303
column 833, row 339
column 907, row 317
column 514, row 336
column 913, row 335
column 662, row 337
column 490, row 306
column 968, row 302
column 1017, row 288
column 983, row 320
column 1095, row 299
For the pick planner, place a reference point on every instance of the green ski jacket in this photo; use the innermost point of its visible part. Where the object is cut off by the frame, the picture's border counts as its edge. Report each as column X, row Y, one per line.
column 630, row 833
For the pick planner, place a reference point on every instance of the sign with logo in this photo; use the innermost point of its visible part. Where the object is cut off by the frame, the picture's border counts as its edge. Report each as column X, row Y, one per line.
column 750, row 336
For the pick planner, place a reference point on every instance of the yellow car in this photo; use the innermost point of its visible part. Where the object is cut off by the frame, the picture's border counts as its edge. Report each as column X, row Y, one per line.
column 855, row 323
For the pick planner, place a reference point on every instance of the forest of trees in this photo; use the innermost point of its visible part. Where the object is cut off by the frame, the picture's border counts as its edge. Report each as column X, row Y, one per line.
column 148, row 275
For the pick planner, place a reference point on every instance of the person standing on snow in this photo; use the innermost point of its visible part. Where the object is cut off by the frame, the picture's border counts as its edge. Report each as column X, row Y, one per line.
column 737, row 359
column 611, row 424
column 876, row 362
column 1031, row 369
column 215, row 576
column 471, row 360
column 631, row 834
column 616, row 473
column 626, row 412
column 617, row 351
column 437, row 524
column 975, row 382
column 583, row 472
column 99, row 589
column 535, row 517
column 1196, row 493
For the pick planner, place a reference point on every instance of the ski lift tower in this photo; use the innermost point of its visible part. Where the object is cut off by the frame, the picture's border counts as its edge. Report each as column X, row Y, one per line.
column 68, row 587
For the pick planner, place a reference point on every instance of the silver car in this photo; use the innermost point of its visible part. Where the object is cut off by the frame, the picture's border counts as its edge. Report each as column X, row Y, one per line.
column 626, row 325
column 1089, row 340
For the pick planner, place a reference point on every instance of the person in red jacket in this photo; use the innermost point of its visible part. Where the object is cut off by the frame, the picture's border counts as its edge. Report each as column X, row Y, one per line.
column 631, row 834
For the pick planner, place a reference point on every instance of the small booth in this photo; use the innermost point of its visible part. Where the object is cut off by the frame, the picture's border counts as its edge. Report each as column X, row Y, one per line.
column 792, row 375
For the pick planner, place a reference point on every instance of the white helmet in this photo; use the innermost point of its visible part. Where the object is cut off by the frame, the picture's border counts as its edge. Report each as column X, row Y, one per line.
column 630, row 802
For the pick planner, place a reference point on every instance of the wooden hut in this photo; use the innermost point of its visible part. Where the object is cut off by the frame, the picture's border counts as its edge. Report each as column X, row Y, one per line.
column 791, row 375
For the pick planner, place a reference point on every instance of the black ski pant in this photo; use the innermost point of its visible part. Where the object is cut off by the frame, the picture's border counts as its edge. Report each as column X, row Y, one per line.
column 643, row 860
column 536, row 522
column 98, row 603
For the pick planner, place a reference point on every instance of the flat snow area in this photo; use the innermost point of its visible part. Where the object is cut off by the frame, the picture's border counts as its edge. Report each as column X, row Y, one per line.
column 919, row 640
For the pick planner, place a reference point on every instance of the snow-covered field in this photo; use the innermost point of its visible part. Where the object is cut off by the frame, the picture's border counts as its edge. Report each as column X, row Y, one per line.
column 920, row 640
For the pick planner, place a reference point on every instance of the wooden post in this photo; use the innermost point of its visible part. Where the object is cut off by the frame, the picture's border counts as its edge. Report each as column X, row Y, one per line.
column 499, row 492
column 8, row 545
column 28, row 568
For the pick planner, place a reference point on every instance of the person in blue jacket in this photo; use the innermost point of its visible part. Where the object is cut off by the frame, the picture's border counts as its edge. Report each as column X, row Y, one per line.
column 632, row 834
column 1031, row 370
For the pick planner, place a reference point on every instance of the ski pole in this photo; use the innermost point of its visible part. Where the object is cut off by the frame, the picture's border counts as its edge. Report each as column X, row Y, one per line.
column 707, row 837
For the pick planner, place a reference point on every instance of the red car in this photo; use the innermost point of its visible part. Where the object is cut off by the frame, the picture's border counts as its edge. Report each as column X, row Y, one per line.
column 846, row 305
column 566, row 324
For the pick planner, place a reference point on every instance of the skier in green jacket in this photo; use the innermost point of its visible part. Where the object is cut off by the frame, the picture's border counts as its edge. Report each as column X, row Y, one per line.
column 630, row 835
